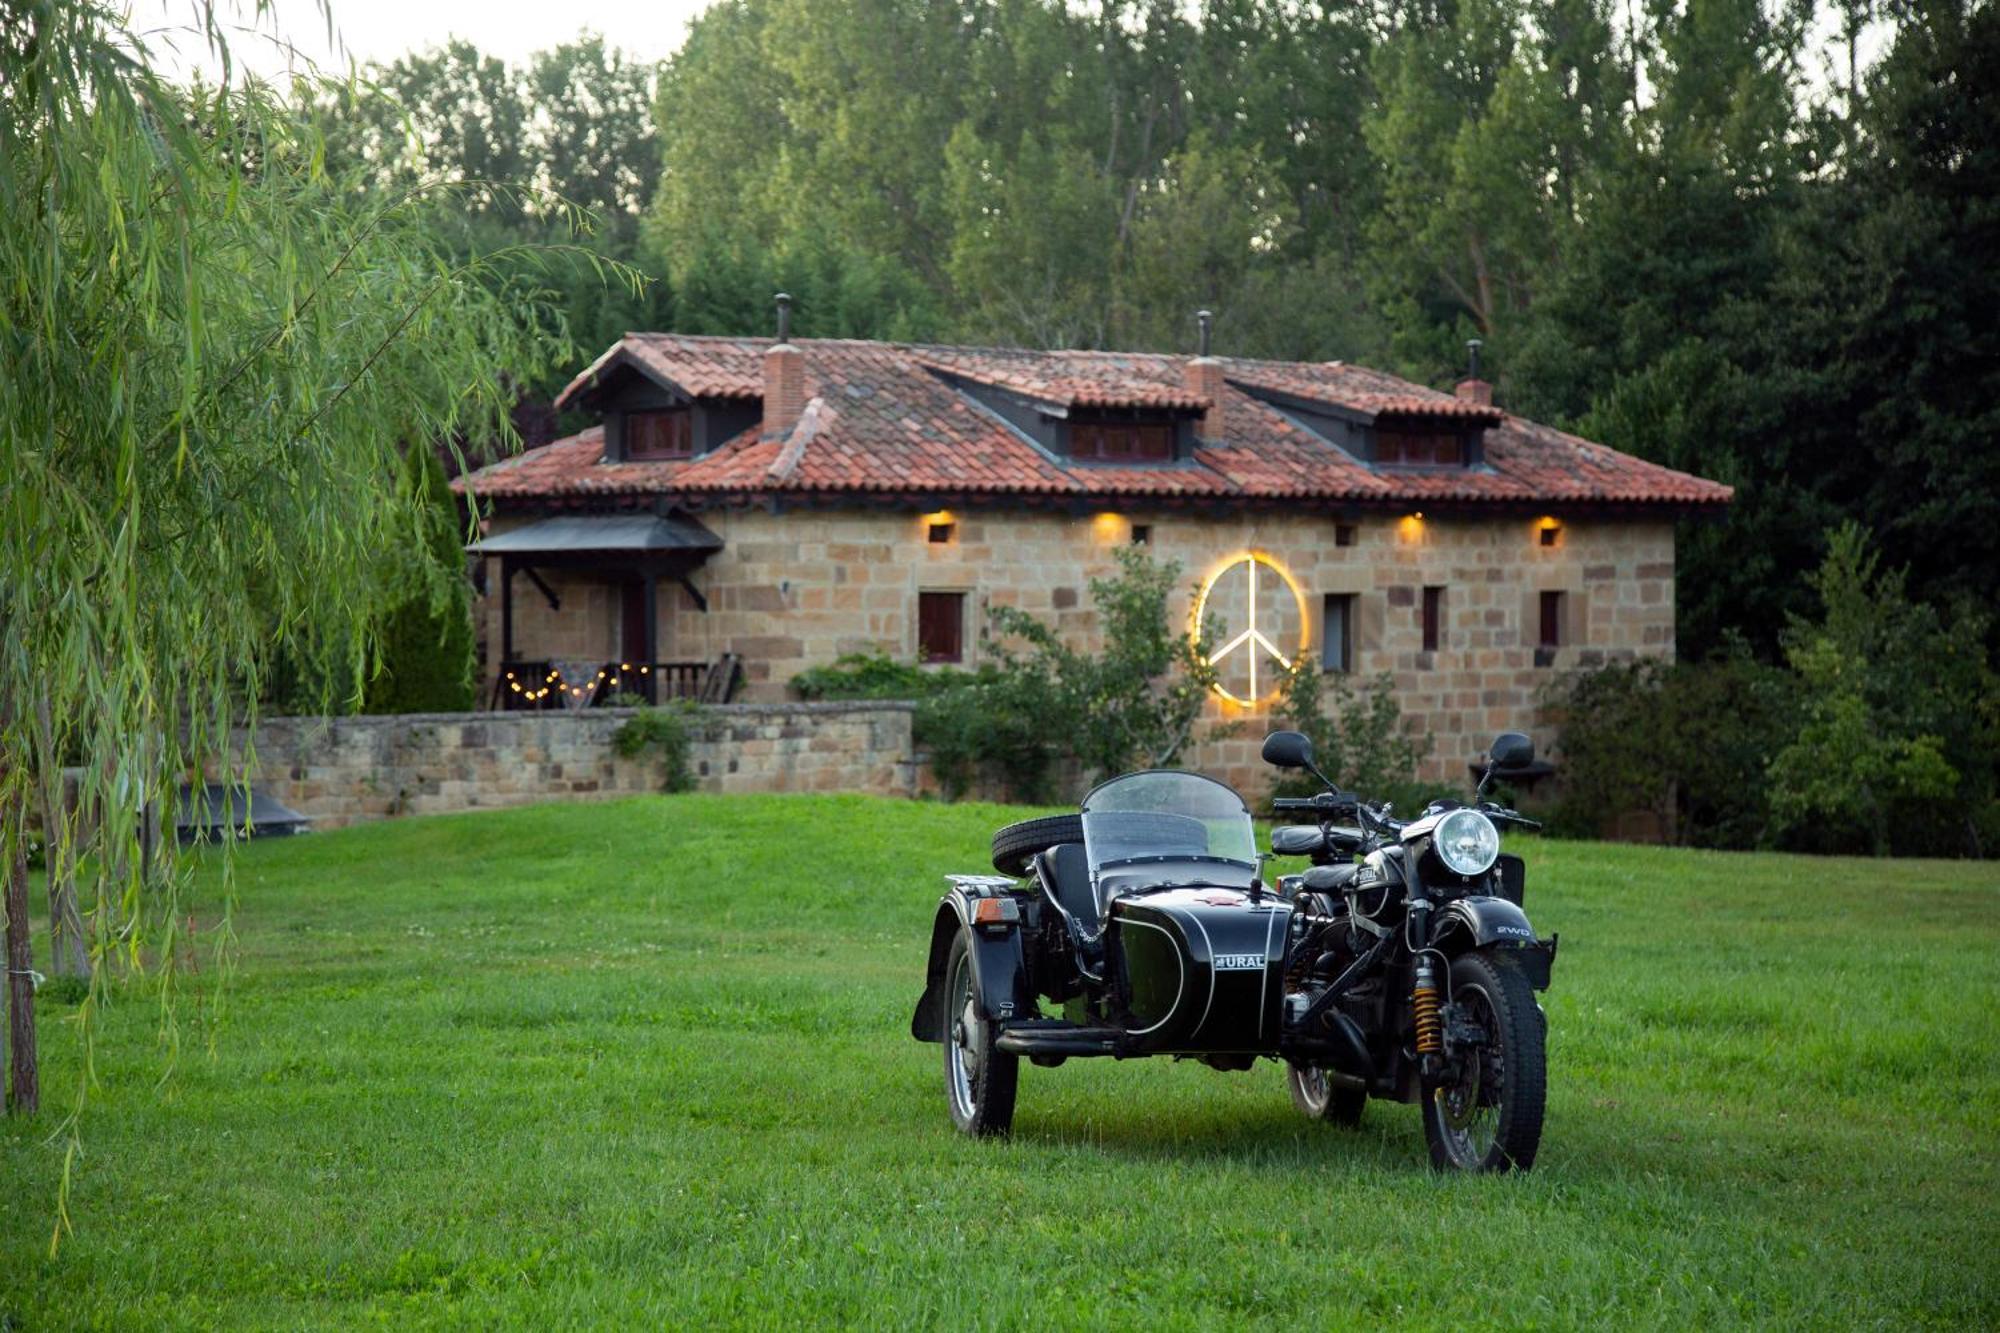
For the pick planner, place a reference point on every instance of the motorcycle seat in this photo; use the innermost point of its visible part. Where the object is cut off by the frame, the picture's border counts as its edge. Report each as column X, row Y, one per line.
column 1064, row 871
column 1330, row 879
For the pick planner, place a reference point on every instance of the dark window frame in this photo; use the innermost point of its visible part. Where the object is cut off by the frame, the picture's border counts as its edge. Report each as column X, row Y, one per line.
column 942, row 534
column 938, row 641
column 1550, row 631
column 1432, row 617
column 1337, row 655
column 1142, row 534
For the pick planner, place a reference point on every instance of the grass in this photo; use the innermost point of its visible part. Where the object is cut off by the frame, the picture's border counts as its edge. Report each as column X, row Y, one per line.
column 648, row 1063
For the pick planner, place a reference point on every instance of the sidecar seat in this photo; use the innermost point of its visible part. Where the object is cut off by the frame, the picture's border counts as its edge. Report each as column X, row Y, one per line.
column 1065, row 875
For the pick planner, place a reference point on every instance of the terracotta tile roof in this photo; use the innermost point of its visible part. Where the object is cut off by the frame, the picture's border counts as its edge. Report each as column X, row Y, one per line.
column 887, row 418
column 1067, row 379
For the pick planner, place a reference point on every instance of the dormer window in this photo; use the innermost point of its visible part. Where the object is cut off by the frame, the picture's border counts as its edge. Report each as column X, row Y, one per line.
column 659, row 436
column 1397, row 447
column 1104, row 437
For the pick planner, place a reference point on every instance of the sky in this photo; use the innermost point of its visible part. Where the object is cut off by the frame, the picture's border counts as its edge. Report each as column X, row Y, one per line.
column 381, row 30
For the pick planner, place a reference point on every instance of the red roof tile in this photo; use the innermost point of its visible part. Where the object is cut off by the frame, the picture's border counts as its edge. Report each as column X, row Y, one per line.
column 887, row 418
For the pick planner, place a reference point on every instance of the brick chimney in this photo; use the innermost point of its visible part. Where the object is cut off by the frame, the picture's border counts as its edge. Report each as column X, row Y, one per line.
column 1204, row 378
column 784, row 377
column 1472, row 389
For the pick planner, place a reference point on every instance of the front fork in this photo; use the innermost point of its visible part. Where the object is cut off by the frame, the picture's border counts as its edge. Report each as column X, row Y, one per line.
column 1426, row 1000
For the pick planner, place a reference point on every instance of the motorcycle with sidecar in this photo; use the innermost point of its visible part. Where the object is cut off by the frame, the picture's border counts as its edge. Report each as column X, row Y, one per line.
column 1399, row 965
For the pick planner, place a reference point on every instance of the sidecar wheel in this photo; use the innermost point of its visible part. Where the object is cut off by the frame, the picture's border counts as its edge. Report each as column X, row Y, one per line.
column 1486, row 1113
column 1015, row 844
column 1319, row 1096
column 979, row 1079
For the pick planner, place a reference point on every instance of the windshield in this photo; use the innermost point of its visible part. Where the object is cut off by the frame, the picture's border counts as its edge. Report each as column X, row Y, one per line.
column 1166, row 816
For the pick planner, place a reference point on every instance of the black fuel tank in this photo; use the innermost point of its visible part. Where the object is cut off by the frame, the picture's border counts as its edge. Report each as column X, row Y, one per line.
column 1203, row 969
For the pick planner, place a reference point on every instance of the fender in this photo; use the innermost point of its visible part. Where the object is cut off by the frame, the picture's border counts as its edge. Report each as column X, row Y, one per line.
column 1476, row 922
column 999, row 970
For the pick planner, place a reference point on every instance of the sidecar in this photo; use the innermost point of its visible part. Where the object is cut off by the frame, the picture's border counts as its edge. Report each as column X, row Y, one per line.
column 1138, row 927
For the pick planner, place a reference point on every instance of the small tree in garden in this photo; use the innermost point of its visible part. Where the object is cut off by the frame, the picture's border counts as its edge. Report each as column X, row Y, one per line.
column 1131, row 704
column 212, row 356
column 1136, row 700
column 1361, row 743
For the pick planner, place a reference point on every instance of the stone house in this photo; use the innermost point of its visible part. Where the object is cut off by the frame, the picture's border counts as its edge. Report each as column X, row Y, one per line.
column 764, row 506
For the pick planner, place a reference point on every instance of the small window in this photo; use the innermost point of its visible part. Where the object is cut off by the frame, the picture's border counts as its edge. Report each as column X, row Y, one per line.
column 1122, row 441
column 1433, row 618
column 942, row 533
column 1552, row 620
column 940, row 626
column 1343, row 534
column 652, row 436
column 1550, row 533
column 1142, row 534
column 1419, row 448
column 1336, row 649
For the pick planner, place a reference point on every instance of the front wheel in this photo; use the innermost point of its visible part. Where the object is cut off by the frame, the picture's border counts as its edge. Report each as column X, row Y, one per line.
column 979, row 1080
column 1485, row 1112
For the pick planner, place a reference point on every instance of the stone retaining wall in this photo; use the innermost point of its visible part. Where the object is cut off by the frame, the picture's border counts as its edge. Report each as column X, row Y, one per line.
column 343, row 770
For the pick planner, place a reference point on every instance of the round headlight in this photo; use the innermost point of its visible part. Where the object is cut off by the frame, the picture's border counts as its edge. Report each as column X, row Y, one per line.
column 1467, row 843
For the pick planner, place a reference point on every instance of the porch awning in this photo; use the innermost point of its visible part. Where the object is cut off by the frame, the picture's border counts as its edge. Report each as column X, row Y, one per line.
column 628, row 535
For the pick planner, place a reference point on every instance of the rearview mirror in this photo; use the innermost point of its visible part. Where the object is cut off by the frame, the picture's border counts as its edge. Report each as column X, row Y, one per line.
column 1289, row 749
column 1510, row 749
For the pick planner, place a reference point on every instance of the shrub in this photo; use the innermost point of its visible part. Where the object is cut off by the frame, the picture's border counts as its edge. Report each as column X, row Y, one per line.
column 666, row 730
column 1687, row 742
column 874, row 676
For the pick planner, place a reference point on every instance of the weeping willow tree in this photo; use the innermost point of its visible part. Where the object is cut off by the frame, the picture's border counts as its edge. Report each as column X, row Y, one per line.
column 212, row 358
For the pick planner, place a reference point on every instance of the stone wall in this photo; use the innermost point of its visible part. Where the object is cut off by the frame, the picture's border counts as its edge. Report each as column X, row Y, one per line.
column 342, row 770
column 797, row 589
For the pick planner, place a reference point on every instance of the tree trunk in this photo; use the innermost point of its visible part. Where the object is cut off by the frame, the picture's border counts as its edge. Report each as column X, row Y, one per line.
column 24, row 1090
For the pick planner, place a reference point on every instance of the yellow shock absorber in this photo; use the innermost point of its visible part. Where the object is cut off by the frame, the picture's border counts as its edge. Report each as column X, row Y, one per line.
column 1424, row 1006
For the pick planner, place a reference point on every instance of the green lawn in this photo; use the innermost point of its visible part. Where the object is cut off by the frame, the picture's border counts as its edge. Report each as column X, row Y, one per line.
column 648, row 1063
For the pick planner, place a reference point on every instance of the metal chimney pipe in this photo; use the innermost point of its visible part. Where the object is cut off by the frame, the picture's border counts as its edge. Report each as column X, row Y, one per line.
column 1206, row 319
column 784, row 301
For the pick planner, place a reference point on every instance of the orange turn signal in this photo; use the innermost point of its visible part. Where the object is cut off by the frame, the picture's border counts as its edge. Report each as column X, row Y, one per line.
column 995, row 912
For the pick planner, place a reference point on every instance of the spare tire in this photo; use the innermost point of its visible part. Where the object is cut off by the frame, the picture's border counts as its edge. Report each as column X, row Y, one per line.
column 1015, row 844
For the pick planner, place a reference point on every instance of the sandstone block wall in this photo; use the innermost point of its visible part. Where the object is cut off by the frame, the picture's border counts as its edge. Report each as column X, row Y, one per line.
column 342, row 770
column 798, row 589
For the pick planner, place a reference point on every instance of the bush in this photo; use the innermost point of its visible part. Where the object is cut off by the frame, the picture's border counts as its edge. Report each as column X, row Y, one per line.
column 1688, row 742
column 667, row 730
column 875, row 676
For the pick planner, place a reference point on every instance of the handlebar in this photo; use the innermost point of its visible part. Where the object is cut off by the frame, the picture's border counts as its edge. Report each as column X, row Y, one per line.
column 1328, row 802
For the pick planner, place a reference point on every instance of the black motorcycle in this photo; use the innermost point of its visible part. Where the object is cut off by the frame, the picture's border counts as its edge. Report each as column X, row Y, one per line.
column 1399, row 966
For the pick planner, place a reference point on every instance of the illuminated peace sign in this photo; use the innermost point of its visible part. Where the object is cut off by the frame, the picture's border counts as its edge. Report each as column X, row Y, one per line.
column 1252, row 591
